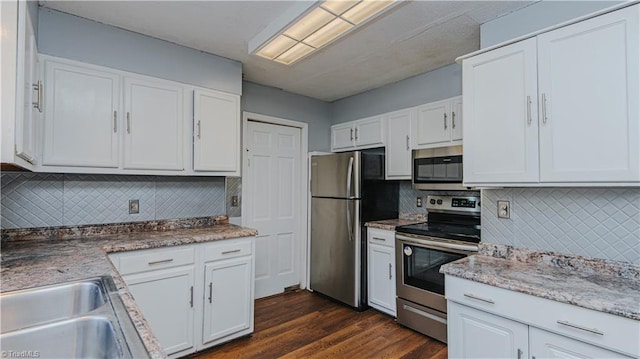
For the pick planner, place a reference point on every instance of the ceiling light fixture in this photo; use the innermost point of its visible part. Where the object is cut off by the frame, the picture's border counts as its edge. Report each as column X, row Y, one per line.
column 317, row 27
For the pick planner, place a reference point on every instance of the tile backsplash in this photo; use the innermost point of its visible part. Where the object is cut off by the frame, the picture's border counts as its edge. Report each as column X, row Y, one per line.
column 42, row 200
column 590, row 222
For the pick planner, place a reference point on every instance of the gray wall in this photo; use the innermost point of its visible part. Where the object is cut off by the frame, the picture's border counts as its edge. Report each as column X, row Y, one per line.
column 76, row 38
column 430, row 86
column 535, row 17
column 274, row 102
column 43, row 200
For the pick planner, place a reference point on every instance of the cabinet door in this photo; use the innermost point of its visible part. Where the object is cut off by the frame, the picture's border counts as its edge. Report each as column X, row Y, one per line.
column 81, row 108
column 381, row 281
column 398, row 149
column 154, row 122
column 342, row 137
column 29, row 93
column 228, row 298
column 473, row 333
column 545, row 344
column 588, row 77
column 433, row 124
column 165, row 298
column 216, row 123
column 499, row 104
column 456, row 119
column 369, row 132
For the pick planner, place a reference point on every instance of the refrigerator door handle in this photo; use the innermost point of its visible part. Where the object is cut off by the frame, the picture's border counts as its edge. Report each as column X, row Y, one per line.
column 349, row 175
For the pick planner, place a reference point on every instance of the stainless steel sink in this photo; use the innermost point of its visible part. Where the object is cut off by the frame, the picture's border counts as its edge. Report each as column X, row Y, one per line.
column 84, row 319
column 26, row 308
column 84, row 337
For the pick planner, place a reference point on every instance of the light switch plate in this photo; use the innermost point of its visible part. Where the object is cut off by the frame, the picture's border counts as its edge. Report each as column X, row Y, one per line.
column 134, row 206
column 504, row 209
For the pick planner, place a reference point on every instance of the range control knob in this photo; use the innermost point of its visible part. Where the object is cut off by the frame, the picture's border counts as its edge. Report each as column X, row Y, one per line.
column 439, row 201
column 433, row 201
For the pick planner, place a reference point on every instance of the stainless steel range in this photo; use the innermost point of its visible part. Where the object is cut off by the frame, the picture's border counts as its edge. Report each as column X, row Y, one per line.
column 452, row 232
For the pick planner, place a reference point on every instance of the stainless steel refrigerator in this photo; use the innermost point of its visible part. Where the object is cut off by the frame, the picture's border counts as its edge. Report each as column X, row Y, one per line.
column 347, row 190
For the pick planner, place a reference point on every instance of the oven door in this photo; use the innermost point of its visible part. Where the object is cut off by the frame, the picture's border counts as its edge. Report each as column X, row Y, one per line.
column 418, row 276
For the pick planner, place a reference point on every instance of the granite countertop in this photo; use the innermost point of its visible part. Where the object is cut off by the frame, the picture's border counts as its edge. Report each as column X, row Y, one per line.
column 610, row 287
column 391, row 224
column 37, row 262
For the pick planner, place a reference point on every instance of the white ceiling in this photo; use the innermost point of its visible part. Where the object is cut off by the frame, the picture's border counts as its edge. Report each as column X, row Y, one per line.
column 413, row 38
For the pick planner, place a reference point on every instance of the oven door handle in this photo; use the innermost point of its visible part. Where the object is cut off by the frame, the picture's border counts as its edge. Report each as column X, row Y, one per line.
column 423, row 242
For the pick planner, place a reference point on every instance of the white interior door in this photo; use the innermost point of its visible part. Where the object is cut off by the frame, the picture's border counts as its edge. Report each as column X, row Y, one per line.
column 273, row 204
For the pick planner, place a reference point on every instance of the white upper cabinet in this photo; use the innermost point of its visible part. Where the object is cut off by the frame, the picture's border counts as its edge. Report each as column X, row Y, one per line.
column 360, row 134
column 81, row 116
column 576, row 88
column 101, row 120
column 456, row 119
column 500, row 129
column 154, row 121
column 398, row 149
column 29, row 97
column 438, row 124
column 588, row 77
column 369, row 132
column 216, row 123
column 432, row 124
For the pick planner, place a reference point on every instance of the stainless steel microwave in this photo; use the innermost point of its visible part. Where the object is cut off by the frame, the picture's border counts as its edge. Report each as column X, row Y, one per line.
column 438, row 169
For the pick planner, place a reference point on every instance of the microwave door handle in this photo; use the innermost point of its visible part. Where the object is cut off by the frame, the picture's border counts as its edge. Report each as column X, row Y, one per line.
column 348, row 201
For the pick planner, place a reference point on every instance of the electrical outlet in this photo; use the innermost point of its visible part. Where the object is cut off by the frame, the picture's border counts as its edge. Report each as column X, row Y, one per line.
column 504, row 209
column 419, row 202
column 234, row 201
column 134, row 206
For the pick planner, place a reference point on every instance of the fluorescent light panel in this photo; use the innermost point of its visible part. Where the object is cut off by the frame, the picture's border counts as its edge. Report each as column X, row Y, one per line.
column 319, row 27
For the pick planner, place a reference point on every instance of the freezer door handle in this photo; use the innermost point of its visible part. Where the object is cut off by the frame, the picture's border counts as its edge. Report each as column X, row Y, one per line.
column 349, row 175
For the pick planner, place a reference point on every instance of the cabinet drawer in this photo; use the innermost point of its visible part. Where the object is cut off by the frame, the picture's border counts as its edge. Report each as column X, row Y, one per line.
column 227, row 249
column 147, row 260
column 381, row 237
column 601, row 329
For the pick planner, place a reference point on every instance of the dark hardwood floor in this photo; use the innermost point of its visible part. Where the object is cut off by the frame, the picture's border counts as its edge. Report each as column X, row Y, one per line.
column 304, row 325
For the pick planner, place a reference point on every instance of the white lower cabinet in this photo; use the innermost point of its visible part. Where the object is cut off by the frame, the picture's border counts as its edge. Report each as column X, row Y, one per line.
column 193, row 296
column 381, row 270
column 226, row 311
column 544, row 344
column 165, row 298
column 490, row 322
column 473, row 333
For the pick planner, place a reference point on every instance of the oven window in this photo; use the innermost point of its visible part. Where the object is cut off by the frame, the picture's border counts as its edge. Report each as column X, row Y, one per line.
column 422, row 267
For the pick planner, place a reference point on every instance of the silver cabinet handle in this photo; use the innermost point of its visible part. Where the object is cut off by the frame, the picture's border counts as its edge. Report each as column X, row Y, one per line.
column 211, row 292
column 161, row 261
column 590, row 330
column 529, row 110
column 389, row 270
column 356, row 133
column 445, row 121
column 478, row 298
column 39, row 88
column 351, row 131
column 379, row 239
column 407, row 143
column 198, row 129
column 544, row 108
column 519, row 354
column 128, row 122
column 191, row 300
column 233, row 251
column 115, row 121
column 453, row 119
